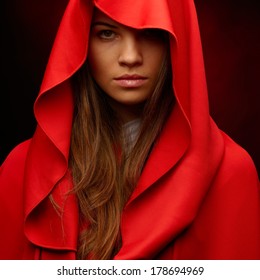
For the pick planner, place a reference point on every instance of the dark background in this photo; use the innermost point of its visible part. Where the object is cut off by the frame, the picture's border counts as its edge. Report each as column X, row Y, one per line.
column 230, row 32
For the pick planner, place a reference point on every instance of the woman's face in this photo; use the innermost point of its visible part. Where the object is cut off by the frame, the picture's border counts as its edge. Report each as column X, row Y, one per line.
column 125, row 62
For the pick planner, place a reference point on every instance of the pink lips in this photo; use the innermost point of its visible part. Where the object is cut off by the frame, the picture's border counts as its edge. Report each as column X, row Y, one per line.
column 130, row 81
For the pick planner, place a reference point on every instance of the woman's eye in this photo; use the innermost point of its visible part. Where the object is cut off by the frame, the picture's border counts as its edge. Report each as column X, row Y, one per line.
column 154, row 33
column 106, row 34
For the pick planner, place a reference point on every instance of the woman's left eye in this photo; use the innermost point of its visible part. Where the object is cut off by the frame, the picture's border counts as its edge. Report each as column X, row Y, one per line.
column 106, row 34
column 154, row 33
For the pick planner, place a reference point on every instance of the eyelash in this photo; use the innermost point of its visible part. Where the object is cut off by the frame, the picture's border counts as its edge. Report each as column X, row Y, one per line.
column 106, row 34
column 149, row 34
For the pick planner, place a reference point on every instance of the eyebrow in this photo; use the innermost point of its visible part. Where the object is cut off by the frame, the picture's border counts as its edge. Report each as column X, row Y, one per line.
column 97, row 23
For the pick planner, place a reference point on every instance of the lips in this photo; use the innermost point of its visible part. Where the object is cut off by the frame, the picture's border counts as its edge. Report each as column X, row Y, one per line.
column 130, row 81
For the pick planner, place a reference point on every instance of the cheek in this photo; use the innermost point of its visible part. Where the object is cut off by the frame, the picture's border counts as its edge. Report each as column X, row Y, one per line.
column 99, row 62
column 155, row 57
column 155, row 65
column 94, row 62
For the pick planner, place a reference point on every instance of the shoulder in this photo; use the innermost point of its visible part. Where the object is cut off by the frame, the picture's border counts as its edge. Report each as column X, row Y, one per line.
column 12, row 203
column 12, row 169
column 236, row 185
column 17, row 156
column 238, row 163
column 229, row 218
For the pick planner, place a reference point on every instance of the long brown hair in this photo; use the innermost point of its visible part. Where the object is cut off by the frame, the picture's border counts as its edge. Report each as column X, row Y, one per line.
column 104, row 174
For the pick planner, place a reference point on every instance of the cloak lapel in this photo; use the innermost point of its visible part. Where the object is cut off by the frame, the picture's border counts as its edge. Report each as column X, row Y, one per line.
column 168, row 150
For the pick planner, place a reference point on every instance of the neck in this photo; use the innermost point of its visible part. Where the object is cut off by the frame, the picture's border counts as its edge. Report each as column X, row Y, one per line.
column 127, row 112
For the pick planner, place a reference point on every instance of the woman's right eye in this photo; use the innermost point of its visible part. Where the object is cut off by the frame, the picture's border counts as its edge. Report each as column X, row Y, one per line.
column 106, row 34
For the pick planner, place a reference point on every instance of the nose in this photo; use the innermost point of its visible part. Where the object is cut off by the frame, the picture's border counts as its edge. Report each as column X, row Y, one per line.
column 131, row 52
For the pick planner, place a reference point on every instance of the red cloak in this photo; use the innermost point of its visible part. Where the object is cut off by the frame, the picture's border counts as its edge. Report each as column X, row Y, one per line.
column 198, row 196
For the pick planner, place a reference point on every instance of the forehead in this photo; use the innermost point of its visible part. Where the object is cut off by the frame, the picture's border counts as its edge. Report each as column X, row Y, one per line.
column 101, row 19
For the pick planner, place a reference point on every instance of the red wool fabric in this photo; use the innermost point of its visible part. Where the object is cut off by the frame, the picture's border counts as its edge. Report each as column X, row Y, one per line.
column 198, row 196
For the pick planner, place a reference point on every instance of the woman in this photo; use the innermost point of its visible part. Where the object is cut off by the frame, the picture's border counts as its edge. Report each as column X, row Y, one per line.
column 126, row 162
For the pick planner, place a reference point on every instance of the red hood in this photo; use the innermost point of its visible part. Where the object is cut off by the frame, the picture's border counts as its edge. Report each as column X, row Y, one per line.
column 190, row 143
